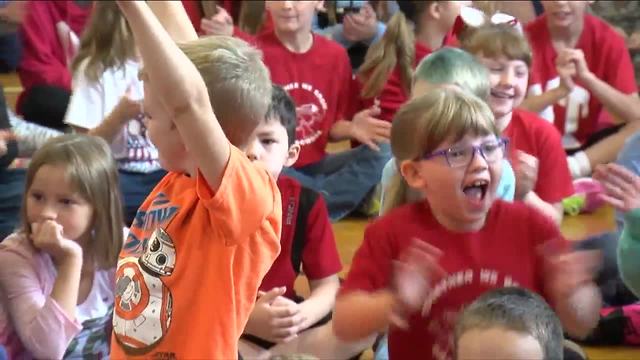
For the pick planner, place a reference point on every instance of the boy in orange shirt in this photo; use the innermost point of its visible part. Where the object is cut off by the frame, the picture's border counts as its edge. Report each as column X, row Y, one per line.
column 205, row 237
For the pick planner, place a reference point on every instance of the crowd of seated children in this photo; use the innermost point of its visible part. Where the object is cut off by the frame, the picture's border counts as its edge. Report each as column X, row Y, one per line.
column 204, row 126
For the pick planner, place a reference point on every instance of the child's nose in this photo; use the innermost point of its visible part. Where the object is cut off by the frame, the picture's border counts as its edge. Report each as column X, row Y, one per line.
column 48, row 212
column 507, row 77
column 478, row 162
column 252, row 151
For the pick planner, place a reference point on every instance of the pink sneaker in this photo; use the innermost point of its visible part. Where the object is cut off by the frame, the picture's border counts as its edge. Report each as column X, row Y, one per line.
column 586, row 198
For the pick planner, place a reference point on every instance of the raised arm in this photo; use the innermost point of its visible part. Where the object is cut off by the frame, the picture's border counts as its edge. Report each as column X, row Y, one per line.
column 178, row 86
column 175, row 20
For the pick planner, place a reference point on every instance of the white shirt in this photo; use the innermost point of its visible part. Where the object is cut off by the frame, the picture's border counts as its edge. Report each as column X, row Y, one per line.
column 91, row 103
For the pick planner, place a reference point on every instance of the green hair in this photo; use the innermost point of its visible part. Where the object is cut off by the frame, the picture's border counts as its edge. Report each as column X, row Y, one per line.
column 454, row 66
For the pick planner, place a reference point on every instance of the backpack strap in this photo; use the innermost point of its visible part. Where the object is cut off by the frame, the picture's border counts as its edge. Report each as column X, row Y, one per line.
column 306, row 202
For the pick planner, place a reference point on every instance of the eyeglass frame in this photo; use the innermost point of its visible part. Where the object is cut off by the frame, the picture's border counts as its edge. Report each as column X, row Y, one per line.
column 477, row 149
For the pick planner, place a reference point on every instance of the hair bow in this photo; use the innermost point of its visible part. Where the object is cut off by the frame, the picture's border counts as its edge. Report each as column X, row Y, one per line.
column 474, row 18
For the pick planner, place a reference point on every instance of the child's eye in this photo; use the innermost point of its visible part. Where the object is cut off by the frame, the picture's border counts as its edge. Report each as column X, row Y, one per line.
column 37, row 196
column 458, row 153
column 268, row 141
column 522, row 74
column 488, row 148
column 495, row 69
column 66, row 201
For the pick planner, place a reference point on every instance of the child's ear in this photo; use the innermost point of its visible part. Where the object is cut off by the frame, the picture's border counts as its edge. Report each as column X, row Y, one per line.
column 292, row 154
column 433, row 10
column 411, row 173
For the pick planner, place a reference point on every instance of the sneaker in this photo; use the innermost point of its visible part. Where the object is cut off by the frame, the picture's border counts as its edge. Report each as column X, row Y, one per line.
column 586, row 198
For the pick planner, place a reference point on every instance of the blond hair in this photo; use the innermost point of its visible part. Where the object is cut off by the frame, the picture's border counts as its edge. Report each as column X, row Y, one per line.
column 106, row 43
column 496, row 40
column 397, row 47
column 425, row 122
column 93, row 174
column 237, row 81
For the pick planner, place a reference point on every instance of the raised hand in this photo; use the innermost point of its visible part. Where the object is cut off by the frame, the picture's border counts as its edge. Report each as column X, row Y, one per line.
column 48, row 236
column 568, row 270
column 369, row 130
column 219, row 24
column 274, row 317
column 413, row 275
column 622, row 187
column 576, row 57
column 526, row 171
column 360, row 26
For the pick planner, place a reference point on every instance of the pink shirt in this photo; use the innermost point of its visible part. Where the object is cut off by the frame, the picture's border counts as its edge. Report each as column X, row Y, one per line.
column 32, row 324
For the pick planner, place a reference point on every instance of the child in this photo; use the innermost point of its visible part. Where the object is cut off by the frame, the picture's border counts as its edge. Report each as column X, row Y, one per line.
column 542, row 175
column 299, row 61
column 56, row 278
column 308, row 246
column 414, row 31
column 420, row 263
column 207, row 234
column 106, row 102
column 452, row 66
column 508, row 323
column 584, row 69
column 623, row 192
column 49, row 36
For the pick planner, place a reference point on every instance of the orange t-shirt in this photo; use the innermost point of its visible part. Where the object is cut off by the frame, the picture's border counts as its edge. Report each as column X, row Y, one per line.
column 189, row 272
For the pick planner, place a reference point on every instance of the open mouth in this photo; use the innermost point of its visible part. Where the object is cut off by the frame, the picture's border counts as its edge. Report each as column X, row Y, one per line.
column 502, row 95
column 476, row 190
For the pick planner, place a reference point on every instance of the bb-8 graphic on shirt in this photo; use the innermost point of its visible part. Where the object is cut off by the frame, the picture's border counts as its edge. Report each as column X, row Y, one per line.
column 143, row 303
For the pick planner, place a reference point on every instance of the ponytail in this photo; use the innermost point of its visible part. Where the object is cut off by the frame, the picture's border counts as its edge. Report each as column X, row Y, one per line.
column 395, row 193
column 395, row 48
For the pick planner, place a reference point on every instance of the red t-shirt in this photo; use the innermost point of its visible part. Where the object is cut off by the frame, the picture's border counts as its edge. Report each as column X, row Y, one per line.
column 44, row 61
column 503, row 253
column 530, row 133
column 320, row 257
column 581, row 114
column 319, row 82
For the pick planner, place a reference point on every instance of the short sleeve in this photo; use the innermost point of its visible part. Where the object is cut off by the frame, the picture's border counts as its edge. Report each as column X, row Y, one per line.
column 85, row 108
column 320, row 258
column 619, row 71
column 246, row 197
column 371, row 266
column 555, row 183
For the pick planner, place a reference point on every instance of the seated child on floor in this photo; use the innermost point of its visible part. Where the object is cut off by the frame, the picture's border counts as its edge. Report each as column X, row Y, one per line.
column 282, row 322
column 508, row 323
column 452, row 66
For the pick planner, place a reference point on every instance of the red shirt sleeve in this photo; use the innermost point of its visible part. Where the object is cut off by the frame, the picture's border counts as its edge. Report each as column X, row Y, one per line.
column 619, row 71
column 371, row 266
column 345, row 90
column 320, row 258
column 554, row 179
column 43, row 61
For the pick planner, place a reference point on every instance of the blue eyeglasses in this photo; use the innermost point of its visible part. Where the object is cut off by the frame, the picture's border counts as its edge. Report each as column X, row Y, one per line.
column 491, row 151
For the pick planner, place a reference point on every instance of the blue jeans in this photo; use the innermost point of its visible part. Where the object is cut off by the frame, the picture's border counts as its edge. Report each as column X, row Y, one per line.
column 344, row 179
column 135, row 188
column 12, row 182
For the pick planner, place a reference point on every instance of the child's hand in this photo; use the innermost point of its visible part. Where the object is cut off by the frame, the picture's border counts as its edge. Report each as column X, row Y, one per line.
column 360, row 26
column 127, row 109
column 526, row 171
column 413, row 276
column 5, row 137
column 566, row 271
column 369, row 130
column 220, row 24
column 48, row 236
column 622, row 187
column 566, row 71
column 575, row 57
column 274, row 317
